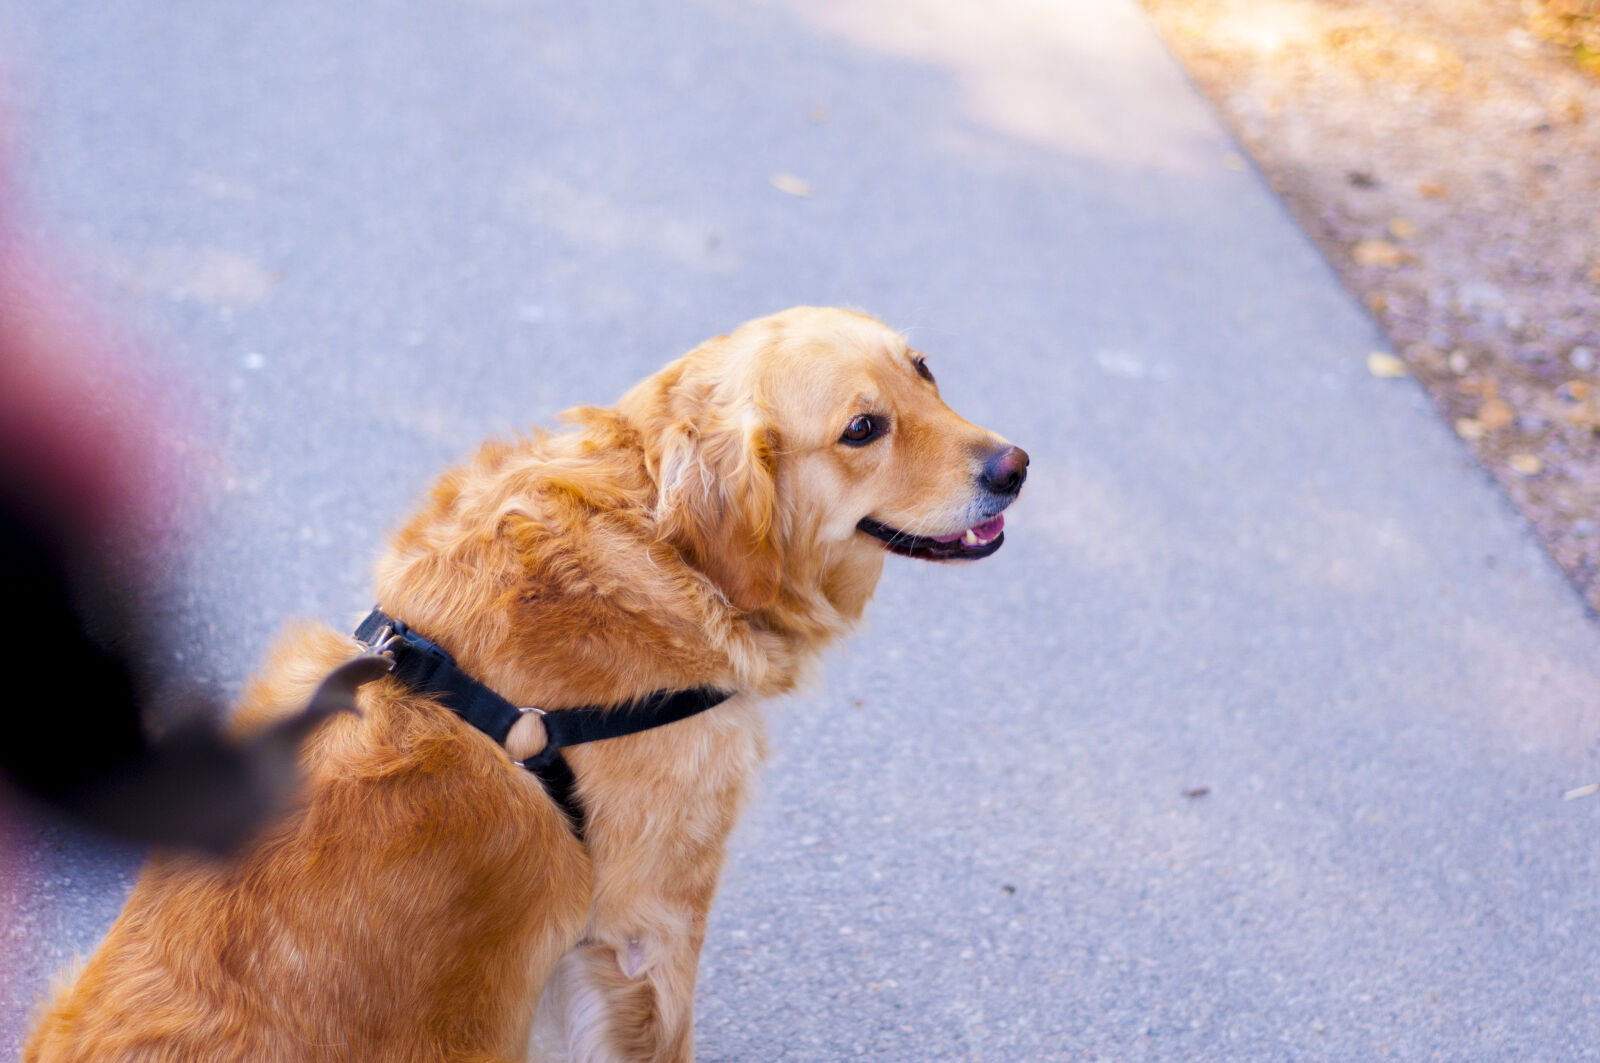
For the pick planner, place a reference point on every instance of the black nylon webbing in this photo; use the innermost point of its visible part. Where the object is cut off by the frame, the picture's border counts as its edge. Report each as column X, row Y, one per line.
column 572, row 727
column 427, row 667
column 423, row 665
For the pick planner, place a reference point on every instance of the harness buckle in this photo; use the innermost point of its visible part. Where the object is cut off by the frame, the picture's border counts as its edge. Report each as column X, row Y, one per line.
column 383, row 645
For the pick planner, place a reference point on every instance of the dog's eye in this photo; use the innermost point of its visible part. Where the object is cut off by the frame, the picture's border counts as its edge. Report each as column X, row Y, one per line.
column 922, row 369
column 863, row 429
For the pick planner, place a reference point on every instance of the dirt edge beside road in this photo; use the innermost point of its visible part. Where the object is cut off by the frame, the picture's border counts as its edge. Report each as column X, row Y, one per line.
column 1446, row 159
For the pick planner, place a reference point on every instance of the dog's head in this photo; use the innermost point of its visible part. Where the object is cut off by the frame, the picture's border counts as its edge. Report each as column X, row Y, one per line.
column 805, row 438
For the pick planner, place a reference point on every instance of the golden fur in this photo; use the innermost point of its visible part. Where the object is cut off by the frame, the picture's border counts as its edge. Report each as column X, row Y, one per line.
column 425, row 893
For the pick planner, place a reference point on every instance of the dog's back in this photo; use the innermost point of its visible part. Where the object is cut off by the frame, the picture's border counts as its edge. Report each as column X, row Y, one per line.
column 360, row 926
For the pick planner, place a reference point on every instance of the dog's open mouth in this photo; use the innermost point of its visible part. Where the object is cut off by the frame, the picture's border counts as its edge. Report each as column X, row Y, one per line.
column 980, row 540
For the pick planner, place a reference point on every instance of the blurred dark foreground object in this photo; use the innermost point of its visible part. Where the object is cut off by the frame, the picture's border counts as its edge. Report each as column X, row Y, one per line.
column 83, row 474
column 77, row 741
column 78, row 744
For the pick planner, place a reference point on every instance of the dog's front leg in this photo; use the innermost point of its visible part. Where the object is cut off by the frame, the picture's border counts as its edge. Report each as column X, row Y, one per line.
column 629, row 1002
column 661, row 807
column 625, row 994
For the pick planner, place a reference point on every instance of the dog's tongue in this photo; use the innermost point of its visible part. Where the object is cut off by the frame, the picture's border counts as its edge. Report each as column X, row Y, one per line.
column 987, row 530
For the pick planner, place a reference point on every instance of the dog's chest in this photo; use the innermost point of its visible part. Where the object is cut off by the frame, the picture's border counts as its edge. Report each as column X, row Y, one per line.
column 676, row 789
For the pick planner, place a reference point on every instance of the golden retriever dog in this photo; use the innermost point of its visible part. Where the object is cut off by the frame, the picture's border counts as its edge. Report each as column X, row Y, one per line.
column 426, row 898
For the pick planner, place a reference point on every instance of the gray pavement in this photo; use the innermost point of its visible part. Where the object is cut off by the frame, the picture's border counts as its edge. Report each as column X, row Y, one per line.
column 1252, row 742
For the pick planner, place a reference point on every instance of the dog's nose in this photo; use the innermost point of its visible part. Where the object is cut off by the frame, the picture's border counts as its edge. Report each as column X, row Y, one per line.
column 1004, row 473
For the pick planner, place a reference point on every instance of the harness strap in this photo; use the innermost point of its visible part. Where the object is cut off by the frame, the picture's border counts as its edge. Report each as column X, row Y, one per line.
column 423, row 665
column 428, row 668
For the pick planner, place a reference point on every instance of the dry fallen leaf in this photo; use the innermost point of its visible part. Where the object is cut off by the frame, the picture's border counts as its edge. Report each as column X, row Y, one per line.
column 1526, row 464
column 1585, row 415
column 1495, row 415
column 1424, row 357
column 1385, row 365
column 1482, row 386
column 1401, row 229
column 1377, row 302
column 1432, row 190
column 1469, row 428
column 794, row 186
column 1380, row 253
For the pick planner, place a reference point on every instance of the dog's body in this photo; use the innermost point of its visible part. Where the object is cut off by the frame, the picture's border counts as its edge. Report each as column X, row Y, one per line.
column 427, row 894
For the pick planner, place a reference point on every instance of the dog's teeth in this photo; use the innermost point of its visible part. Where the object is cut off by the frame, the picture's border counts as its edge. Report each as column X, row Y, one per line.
column 971, row 538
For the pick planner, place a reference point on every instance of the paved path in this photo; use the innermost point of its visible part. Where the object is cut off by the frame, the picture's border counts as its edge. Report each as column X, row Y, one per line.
column 1252, row 742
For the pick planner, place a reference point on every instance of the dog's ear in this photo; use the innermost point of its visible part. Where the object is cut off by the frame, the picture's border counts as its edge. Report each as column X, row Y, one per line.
column 717, row 477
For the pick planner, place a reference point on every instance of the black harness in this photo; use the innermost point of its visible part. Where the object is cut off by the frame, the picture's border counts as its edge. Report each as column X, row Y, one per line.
column 424, row 666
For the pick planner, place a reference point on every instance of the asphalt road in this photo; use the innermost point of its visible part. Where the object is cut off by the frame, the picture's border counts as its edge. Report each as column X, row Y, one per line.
column 1252, row 742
